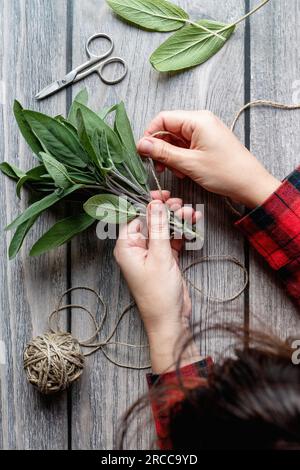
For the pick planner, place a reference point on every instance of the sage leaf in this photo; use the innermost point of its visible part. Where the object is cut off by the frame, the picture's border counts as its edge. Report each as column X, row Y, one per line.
column 124, row 131
column 21, row 231
column 190, row 46
column 35, row 175
column 19, row 236
column 62, row 232
column 85, row 139
column 67, row 124
column 56, row 139
column 57, row 171
column 11, row 171
column 38, row 173
column 101, row 145
column 110, row 208
column 106, row 111
column 39, row 206
column 81, row 97
column 20, row 185
column 25, row 129
column 92, row 121
column 153, row 15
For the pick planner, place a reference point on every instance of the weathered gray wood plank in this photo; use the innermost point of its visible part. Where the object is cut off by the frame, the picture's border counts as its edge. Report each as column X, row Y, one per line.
column 32, row 54
column 106, row 391
column 274, row 140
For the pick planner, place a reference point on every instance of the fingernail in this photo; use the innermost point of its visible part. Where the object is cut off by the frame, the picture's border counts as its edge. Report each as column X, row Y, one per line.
column 145, row 146
column 156, row 207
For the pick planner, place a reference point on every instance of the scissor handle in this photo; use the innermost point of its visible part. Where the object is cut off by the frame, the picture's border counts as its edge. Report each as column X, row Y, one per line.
column 90, row 54
column 113, row 60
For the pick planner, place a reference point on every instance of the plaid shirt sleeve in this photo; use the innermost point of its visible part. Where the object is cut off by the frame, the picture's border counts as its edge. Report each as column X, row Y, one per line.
column 273, row 229
column 170, row 391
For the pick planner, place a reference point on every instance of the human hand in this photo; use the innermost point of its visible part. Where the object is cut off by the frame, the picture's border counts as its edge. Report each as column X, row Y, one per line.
column 151, row 270
column 211, row 156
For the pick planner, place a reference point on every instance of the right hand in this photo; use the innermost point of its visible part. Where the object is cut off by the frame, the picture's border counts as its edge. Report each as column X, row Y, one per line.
column 212, row 157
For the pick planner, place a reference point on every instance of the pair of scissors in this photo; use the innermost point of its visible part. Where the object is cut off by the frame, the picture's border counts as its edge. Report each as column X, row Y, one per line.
column 96, row 63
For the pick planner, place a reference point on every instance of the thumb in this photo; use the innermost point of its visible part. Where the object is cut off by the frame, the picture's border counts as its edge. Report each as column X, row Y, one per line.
column 163, row 152
column 158, row 227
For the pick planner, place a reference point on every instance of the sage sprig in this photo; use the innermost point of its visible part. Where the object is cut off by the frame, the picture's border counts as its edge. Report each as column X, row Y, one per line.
column 194, row 41
column 84, row 159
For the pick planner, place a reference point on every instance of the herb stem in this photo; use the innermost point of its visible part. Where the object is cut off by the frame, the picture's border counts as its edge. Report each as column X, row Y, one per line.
column 125, row 180
column 222, row 30
column 258, row 7
column 243, row 18
column 211, row 33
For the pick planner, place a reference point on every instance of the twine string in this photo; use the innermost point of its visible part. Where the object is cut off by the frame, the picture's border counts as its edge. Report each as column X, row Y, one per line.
column 91, row 342
column 210, row 258
column 256, row 103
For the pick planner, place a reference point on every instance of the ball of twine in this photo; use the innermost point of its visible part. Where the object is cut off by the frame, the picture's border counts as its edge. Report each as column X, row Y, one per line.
column 53, row 361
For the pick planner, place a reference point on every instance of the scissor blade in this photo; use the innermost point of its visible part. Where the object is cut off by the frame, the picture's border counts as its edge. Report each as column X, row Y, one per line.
column 48, row 90
column 57, row 85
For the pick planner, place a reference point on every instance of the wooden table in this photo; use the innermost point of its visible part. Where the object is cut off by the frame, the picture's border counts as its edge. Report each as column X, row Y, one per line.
column 41, row 40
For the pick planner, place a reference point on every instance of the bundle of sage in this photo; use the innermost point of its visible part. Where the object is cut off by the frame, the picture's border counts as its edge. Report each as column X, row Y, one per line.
column 87, row 161
column 195, row 41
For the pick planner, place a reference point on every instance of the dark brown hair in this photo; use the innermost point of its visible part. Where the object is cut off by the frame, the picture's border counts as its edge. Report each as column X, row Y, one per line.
column 249, row 401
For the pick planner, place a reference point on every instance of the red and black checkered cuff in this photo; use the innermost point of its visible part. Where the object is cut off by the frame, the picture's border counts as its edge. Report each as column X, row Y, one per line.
column 197, row 369
column 273, row 229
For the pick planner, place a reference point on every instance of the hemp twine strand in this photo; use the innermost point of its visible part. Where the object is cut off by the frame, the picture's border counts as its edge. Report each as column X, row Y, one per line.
column 55, row 360
column 256, row 103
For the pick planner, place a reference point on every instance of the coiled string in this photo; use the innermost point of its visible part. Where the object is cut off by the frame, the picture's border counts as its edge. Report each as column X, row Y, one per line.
column 91, row 342
column 256, row 103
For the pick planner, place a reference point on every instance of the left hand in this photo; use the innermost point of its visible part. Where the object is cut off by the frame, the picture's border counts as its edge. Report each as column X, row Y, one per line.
column 151, row 270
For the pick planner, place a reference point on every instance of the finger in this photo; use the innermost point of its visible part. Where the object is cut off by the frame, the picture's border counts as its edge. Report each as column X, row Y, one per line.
column 157, row 195
column 181, row 123
column 174, row 203
column 174, row 157
column 131, row 234
column 158, row 226
column 176, row 246
column 159, row 167
column 179, row 174
column 197, row 216
column 185, row 213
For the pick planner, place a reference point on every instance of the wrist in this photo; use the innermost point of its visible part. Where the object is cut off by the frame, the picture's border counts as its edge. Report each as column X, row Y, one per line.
column 168, row 345
column 261, row 189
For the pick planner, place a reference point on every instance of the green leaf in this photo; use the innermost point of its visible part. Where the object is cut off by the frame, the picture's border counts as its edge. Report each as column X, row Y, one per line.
column 190, row 46
column 82, row 97
column 19, row 236
column 39, row 206
column 62, row 232
column 106, row 111
column 38, row 173
column 25, row 129
column 110, row 208
column 35, row 175
column 124, row 131
column 82, row 178
column 92, row 121
column 57, row 171
column 11, row 171
column 67, row 124
column 21, row 232
column 20, row 185
column 57, row 139
column 85, row 139
column 153, row 15
column 100, row 144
